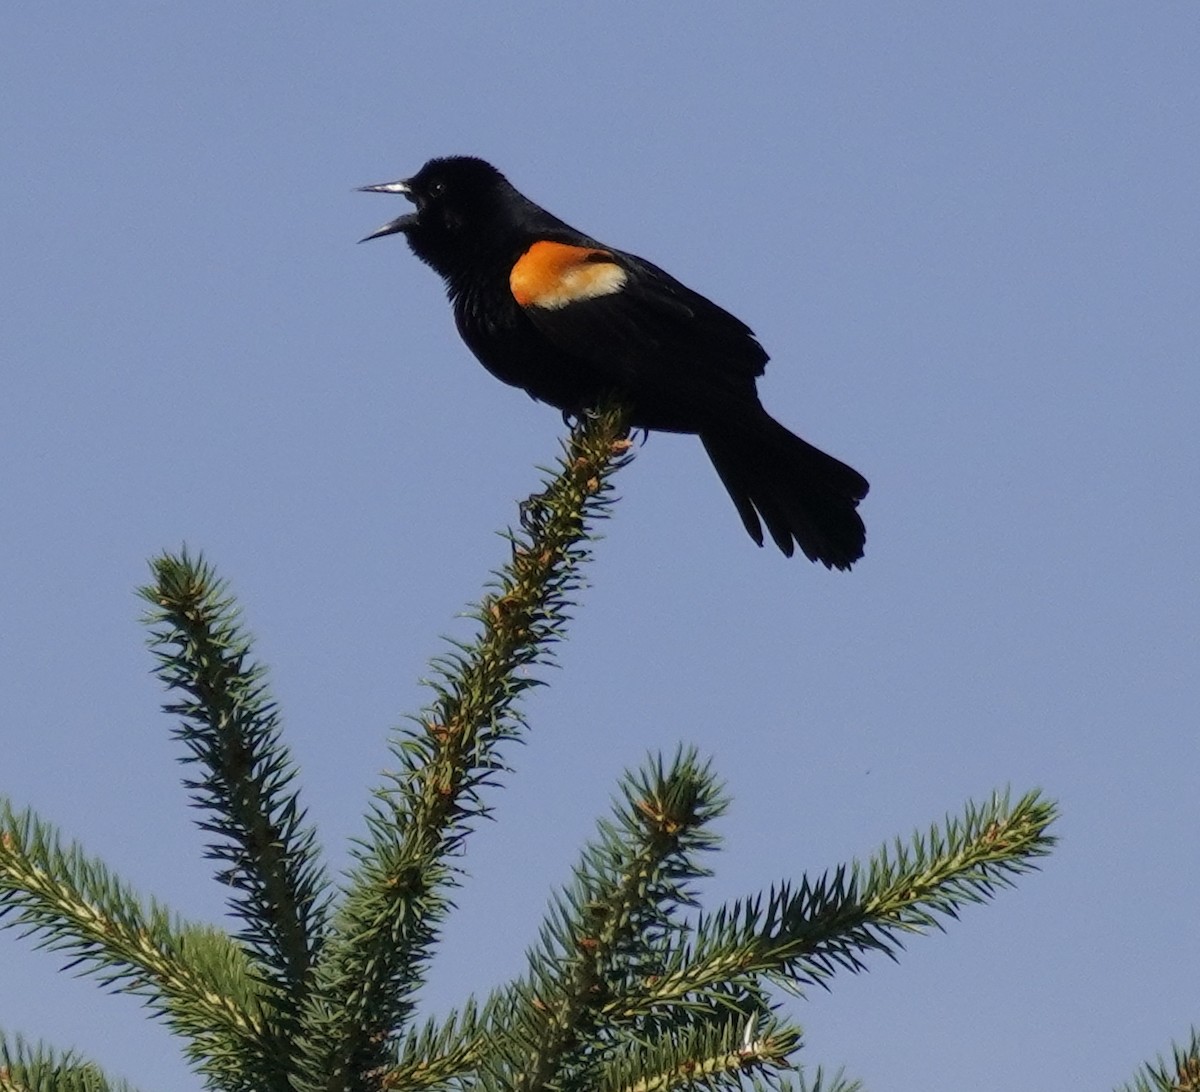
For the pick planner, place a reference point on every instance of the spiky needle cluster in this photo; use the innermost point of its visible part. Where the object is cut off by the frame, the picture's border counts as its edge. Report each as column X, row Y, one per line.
column 629, row 989
column 1179, row 1074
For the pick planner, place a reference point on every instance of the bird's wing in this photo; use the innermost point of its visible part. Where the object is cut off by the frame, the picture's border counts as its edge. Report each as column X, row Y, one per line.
column 628, row 318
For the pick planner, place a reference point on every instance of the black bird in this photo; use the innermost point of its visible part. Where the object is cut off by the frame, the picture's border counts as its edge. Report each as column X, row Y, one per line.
column 569, row 320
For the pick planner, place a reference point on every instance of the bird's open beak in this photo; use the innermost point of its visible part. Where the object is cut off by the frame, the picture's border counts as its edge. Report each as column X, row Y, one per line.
column 401, row 223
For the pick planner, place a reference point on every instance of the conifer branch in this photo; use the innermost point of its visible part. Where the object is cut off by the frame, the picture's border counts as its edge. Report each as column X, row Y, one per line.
column 822, row 1081
column 603, row 933
column 1180, row 1074
column 231, row 729
column 801, row 937
column 725, row 1053
column 601, row 940
column 396, row 897
column 441, row 1052
column 625, row 991
column 191, row 975
column 26, row 1067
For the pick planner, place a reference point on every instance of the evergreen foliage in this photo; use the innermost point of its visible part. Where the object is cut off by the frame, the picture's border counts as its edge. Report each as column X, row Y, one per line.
column 631, row 986
column 1180, row 1074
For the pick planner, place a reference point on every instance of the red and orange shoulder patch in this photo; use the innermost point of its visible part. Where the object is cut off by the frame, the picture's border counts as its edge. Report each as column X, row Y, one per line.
column 553, row 275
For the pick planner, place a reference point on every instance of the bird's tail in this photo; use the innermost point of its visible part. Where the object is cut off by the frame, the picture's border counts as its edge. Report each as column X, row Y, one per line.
column 805, row 497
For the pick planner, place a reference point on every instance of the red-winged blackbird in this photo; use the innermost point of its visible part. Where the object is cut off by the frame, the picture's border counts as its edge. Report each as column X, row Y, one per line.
column 572, row 321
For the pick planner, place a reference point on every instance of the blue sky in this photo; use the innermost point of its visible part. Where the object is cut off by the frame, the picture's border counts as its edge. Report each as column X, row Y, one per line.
column 968, row 236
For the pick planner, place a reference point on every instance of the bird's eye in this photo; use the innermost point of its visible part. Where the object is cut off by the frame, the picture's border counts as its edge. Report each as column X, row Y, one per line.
column 437, row 187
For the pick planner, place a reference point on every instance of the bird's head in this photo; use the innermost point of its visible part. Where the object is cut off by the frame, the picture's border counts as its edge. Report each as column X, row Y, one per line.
column 462, row 204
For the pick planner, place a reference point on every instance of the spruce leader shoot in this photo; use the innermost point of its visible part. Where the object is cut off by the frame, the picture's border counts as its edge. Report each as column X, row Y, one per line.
column 572, row 321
